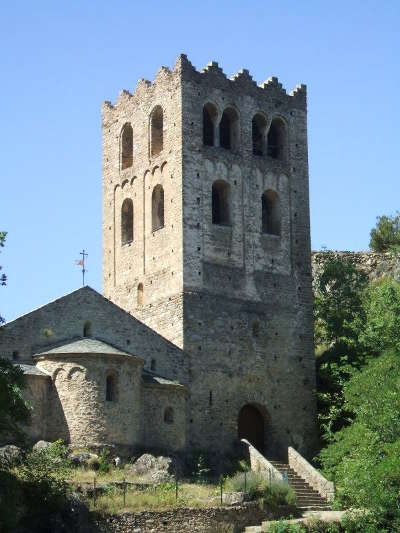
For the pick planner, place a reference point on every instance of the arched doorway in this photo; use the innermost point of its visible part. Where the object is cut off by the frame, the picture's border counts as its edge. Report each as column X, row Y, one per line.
column 251, row 426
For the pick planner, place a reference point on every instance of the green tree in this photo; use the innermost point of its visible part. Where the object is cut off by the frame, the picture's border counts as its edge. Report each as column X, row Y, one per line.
column 338, row 305
column 364, row 458
column 14, row 409
column 382, row 310
column 386, row 234
column 339, row 321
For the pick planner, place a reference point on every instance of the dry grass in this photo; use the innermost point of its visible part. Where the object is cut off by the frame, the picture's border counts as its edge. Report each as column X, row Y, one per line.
column 84, row 475
column 156, row 498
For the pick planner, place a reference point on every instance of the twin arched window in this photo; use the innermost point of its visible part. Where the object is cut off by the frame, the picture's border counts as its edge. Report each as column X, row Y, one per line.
column 156, row 138
column 270, row 208
column 271, row 213
column 156, row 130
column 127, row 221
column 227, row 131
column 126, row 146
column 157, row 208
column 272, row 142
column 157, row 214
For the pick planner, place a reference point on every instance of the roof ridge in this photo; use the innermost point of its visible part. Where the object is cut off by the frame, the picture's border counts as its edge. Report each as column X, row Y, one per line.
column 84, row 340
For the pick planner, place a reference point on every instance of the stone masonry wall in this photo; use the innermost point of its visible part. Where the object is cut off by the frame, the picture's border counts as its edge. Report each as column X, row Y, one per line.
column 211, row 520
column 239, row 302
column 158, row 432
column 258, row 463
column 375, row 265
column 306, row 471
column 65, row 318
column 153, row 258
column 37, row 393
column 247, row 295
column 77, row 409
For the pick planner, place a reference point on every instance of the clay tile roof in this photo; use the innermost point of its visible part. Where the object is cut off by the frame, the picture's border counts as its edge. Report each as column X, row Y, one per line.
column 83, row 346
column 32, row 370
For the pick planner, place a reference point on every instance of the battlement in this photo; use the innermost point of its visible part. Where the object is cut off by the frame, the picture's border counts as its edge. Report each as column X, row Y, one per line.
column 213, row 75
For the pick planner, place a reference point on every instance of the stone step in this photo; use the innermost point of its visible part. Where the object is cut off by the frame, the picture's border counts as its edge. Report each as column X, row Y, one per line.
column 253, row 529
column 300, row 499
column 313, row 508
column 304, row 492
column 309, row 501
column 309, row 496
column 306, row 497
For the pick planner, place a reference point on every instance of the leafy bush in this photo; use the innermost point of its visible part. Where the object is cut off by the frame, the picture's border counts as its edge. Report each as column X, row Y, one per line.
column 359, row 523
column 35, row 489
column 340, row 317
column 14, row 410
column 283, row 526
column 364, row 458
column 253, row 483
column 279, row 494
column 382, row 307
column 43, row 474
column 257, row 485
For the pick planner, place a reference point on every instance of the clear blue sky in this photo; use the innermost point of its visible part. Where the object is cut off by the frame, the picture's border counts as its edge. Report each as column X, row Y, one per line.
column 60, row 60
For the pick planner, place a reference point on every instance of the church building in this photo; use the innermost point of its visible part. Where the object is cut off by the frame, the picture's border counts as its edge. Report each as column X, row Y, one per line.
column 204, row 332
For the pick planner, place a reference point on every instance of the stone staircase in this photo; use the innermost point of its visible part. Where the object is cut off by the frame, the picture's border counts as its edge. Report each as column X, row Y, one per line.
column 301, row 477
column 307, row 499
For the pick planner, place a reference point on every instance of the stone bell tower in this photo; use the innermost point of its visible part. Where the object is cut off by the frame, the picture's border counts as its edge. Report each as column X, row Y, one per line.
column 206, row 239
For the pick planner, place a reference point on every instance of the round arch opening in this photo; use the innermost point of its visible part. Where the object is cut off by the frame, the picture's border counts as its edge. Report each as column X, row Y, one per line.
column 251, row 426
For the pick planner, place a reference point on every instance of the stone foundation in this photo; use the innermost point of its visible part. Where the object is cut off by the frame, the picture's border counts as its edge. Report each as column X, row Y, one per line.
column 211, row 520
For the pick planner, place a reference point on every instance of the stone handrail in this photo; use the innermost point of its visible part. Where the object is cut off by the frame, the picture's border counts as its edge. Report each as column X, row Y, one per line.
column 317, row 481
column 258, row 463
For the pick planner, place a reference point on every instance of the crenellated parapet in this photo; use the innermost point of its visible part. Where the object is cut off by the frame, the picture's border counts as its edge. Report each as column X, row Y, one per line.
column 213, row 75
column 242, row 83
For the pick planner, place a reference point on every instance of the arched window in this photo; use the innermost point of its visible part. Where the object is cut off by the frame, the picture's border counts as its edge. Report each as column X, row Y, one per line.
column 220, row 203
column 111, row 388
column 157, row 208
column 169, row 415
column 87, row 329
column 258, row 127
column 140, row 294
column 229, row 129
column 209, row 120
column 127, row 221
column 156, row 125
column 277, row 139
column 126, row 147
column 271, row 213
